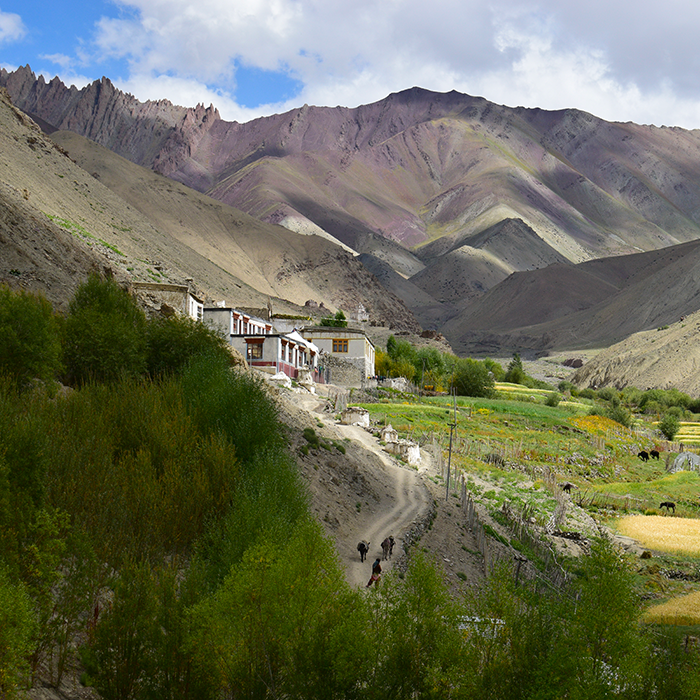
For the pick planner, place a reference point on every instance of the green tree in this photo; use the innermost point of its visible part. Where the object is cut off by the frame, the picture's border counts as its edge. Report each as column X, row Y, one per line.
column 495, row 369
column 105, row 333
column 603, row 635
column 337, row 321
column 416, row 640
column 515, row 373
column 30, row 346
column 619, row 414
column 669, row 425
column 17, row 629
column 281, row 624
column 172, row 342
column 472, row 378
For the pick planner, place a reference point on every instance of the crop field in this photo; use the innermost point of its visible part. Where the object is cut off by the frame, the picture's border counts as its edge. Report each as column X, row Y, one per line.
column 662, row 533
column 689, row 433
column 543, row 446
column 682, row 610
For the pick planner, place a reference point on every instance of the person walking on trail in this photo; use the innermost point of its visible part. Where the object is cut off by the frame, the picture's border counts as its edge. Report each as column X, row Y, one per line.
column 376, row 573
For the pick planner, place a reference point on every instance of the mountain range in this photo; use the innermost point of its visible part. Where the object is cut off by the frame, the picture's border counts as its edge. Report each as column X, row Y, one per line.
column 505, row 229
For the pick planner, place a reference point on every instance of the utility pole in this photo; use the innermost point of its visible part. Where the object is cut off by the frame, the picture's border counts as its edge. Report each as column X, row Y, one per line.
column 453, row 425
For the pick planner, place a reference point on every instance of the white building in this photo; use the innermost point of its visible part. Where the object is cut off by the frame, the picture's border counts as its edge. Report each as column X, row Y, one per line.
column 347, row 351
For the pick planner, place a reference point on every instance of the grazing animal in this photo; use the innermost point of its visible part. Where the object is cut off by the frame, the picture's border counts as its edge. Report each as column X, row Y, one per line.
column 654, row 454
column 567, row 487
column 668, row 505
column 363, row 548
column 643, row 455
column 388, row 547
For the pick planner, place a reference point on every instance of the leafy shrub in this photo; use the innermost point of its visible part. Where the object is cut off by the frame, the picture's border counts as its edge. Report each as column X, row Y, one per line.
column 337, row 321
column 565, row 386
column 17, row 628
column 553, row 399
column 619, row 414
column 311, row 437
column 105, row 333
column 232, row 403
column 669, row 425
column 587, row 393
column 174, row 341
column 472, row 378
column 29, row 340
column 608, row 393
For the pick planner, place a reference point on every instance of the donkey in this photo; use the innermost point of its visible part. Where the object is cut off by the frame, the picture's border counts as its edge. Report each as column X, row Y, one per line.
column 388, row 547
column 363, row 548
column 668, row 505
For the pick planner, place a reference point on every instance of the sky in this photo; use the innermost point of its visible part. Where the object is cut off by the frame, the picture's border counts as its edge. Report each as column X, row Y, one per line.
column 620, row 60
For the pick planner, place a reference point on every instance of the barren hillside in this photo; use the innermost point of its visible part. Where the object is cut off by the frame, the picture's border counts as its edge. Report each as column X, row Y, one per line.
column 431, row 172
column 112, row 214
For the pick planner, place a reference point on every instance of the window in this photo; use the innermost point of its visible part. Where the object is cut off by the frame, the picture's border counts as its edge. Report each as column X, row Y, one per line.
column 255, row 351
column 340, row 345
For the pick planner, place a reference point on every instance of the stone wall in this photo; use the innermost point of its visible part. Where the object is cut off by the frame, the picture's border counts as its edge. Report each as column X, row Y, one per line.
column 344, row 372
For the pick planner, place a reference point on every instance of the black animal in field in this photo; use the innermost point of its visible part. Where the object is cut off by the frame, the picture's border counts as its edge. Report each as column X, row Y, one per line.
column 668, row 505
column 363, row 548
column 643, row 455
column 654, row 454
column 567, row 487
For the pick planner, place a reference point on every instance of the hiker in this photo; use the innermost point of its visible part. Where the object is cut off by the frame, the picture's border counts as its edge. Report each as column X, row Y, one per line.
column 376, row 573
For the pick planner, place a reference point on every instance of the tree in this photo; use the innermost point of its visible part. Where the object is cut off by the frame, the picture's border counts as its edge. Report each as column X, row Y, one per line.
column 17, row 628
column 515, row 373
column 337, row 321
column 30, row 346
column 174, row 341
column 669, row 425
column 416, row 641
column 603, row 637
column 282, row 624
column 105, row 333
column 472, row 378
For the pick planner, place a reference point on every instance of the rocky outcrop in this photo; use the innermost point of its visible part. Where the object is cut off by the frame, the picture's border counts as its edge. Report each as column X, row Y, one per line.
column 158, row 134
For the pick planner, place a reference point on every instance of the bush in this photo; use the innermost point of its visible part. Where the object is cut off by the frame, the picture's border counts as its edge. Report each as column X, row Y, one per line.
column 472, row 378
column 17, row 628
column 669, row 426
column 105, row 333
column 30, row 347
column 608, row 393
column 311, row 437
column 337, row 321
column 515, row 374
column 619, row 414
column 553, row 399
column 174, row 341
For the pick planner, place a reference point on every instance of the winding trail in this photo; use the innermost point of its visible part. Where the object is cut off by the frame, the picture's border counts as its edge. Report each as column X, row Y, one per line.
column 407, row 496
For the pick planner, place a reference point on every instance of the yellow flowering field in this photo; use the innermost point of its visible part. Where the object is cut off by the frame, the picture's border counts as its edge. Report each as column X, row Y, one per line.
column 684, row 610
column 595, row 424
column 663, row 533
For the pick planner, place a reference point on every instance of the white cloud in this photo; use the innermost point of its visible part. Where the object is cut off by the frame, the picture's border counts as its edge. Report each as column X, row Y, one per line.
column 11, row 27
column 188, row 93
column 617, row 59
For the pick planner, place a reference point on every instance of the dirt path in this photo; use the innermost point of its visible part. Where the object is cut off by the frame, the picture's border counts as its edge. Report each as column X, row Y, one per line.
column 405, row 500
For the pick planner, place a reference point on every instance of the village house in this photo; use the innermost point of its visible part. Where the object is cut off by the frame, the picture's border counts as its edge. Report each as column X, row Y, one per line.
column 348, row 353
column 170, row 299
column 264, row 348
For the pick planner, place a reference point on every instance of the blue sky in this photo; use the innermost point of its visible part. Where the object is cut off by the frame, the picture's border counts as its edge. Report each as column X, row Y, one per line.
column 621, row 60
